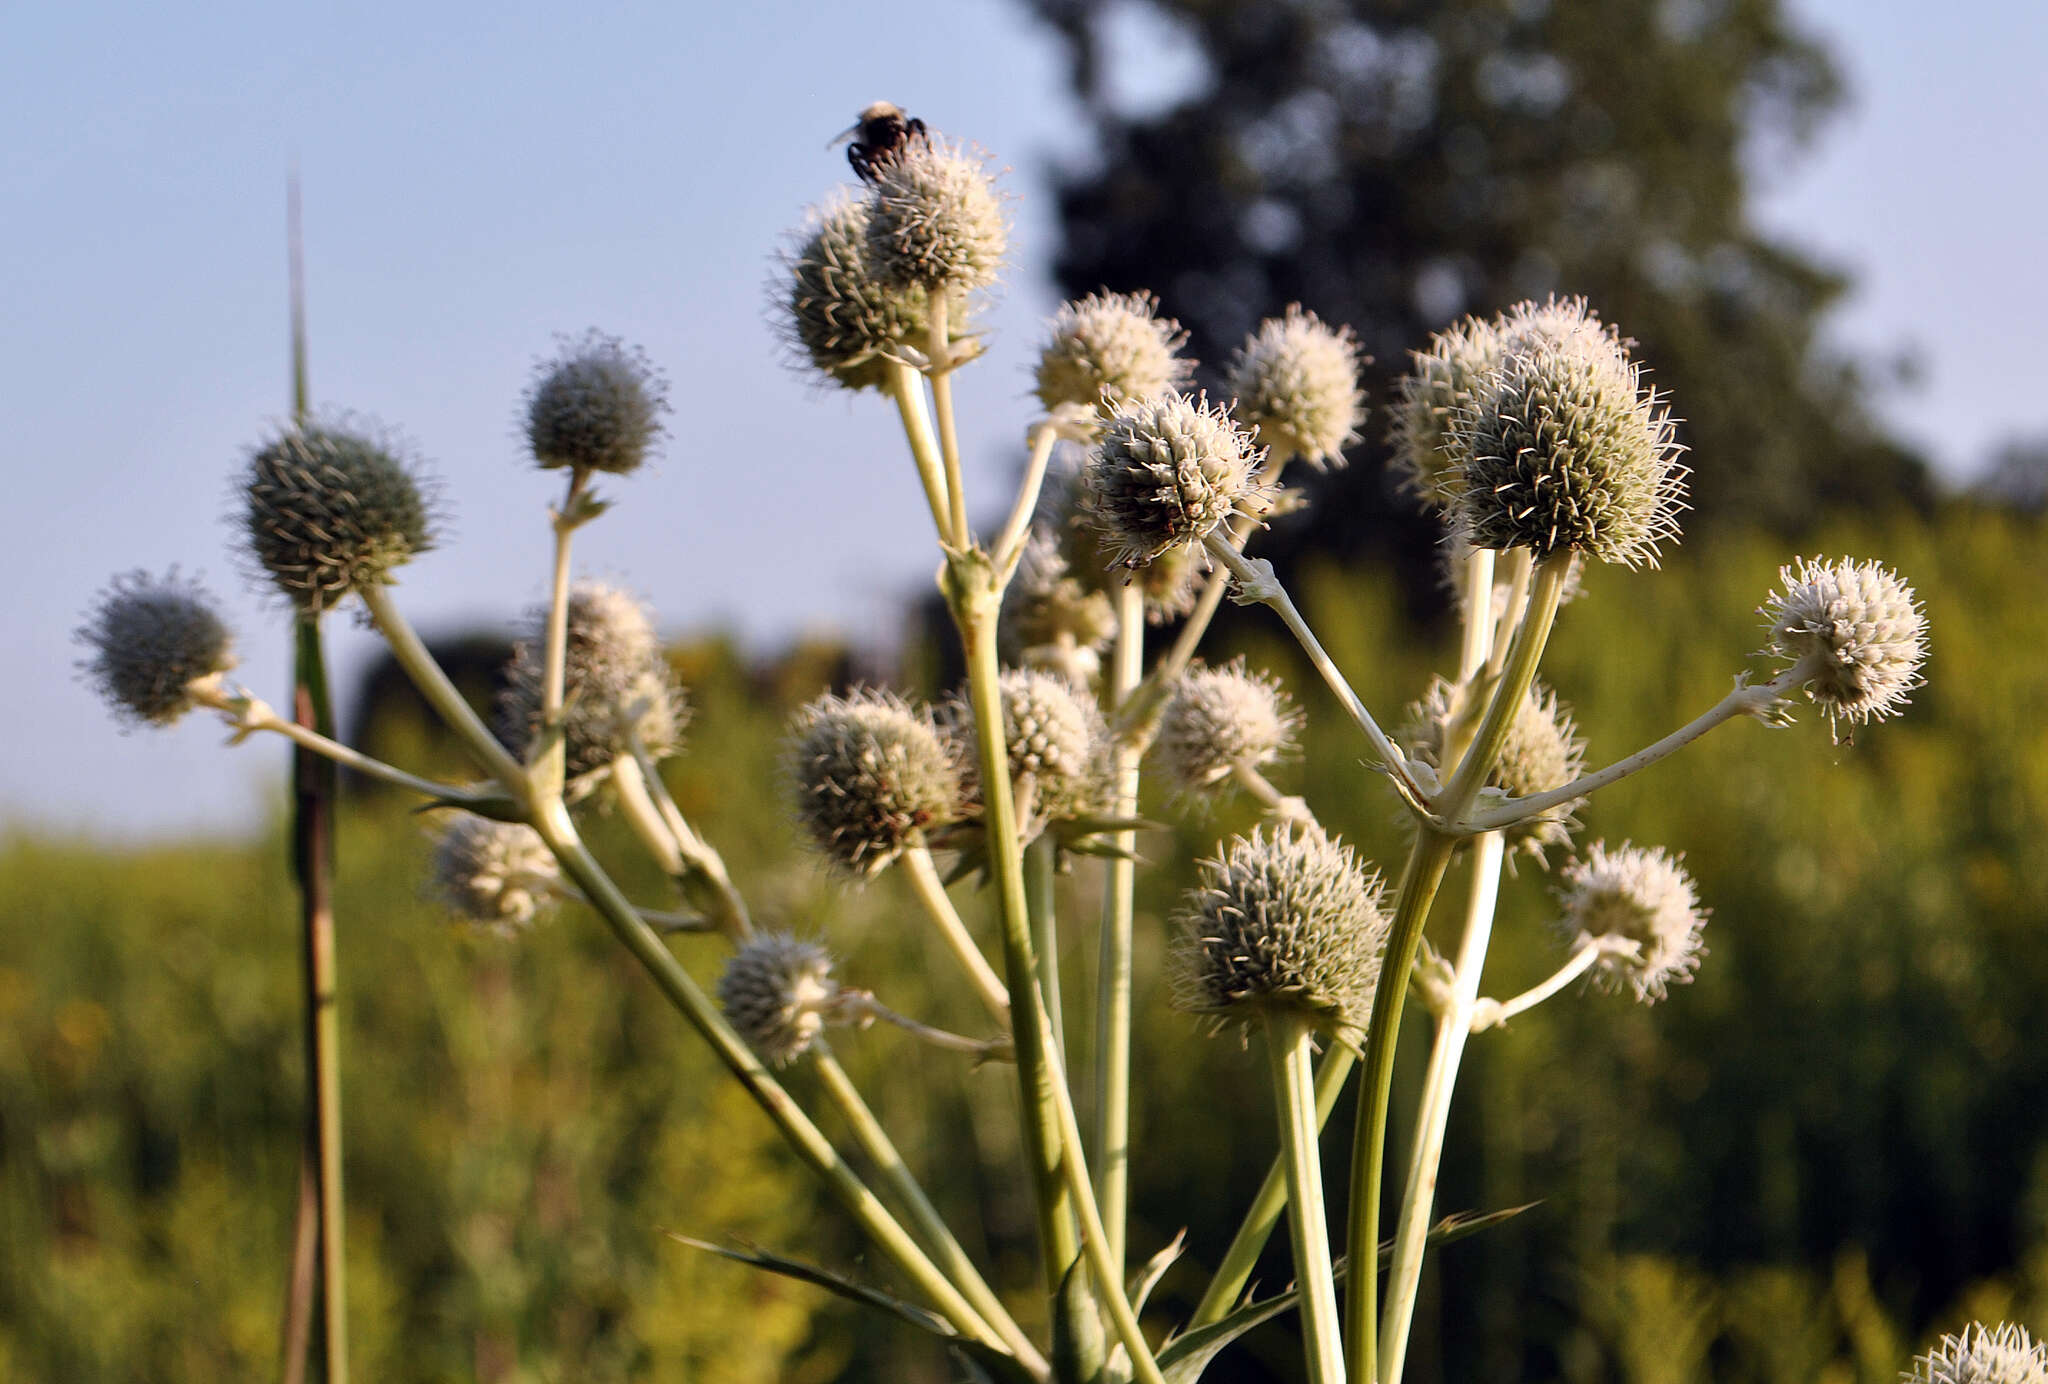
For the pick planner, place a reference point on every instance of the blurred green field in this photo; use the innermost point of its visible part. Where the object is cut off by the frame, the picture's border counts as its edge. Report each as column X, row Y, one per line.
column 1832, row 1145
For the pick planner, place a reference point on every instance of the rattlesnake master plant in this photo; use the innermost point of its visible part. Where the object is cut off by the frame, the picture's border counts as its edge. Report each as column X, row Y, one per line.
column 1532, row 434
column 2004, row 1354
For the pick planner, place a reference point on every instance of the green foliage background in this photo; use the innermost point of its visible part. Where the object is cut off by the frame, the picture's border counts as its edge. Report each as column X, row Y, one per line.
column 1797, row 1169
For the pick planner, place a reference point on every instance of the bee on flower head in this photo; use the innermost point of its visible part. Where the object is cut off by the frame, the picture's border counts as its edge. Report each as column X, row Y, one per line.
column 878, row 137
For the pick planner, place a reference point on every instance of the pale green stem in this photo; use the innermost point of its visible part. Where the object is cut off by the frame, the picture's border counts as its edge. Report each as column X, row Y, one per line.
column 703, row 866
column 1743, row 701
column 1433, row 1111
column 938, row 905
column 1235, row 1270
column 1478, row 636
column 1419, row 883
column 555, row 670
column 249, row 714
column 1289, row 1045
column 938, row 1236
column 441, row 694
column 1520, row 564
column 1284, row 807
column 1493, row 1013
column 1040, row 877
column 1009, row 545
column 861, row 1008
column 1113, row 970
column 629, row 784
column 902, row 386
column 655, row 918
column 941, row 377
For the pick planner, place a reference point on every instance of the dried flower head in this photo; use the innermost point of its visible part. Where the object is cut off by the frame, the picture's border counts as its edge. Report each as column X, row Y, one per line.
column 1856, row 632
column 2005, row 1354
column 332, row 510
column 494, row 873
column 1282, row 920
column 1111, row 347
column 616, row 685
column 776, row 992
column 1562, row 449
column 837, row 313
column 596, row 406
column 1052, row 619
column 151, row 639
column 1542, row 751
column 1641, row 909
column 869, row 774
column 1444, row 382
column 1165, row 473
column 934, row 220
column 1296, row 383
column 1220, row 718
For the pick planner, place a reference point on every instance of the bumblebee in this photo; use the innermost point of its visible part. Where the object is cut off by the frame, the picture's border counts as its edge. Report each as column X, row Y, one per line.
column 880, row 134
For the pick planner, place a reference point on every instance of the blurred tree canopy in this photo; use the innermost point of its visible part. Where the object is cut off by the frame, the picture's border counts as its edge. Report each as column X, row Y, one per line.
column 1393, row 165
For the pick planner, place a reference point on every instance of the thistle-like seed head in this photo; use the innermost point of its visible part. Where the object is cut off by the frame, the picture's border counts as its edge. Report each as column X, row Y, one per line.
column 1052, row 619
column 1643, row 911
column 836, row 312
column 495, row 873
column 151, row 639
column 934, row 220
column 330, row 511
column 1562, row 449
column 616, row 685
column 1444, row 382
column 1283, row 920
column 1542, row 751
column 775, row 992
column 1296, row 383
column 1109, row 347
column 1857, row 630
column 869, row 773
column 1166, row 472
column 1219, row 718
column 2005, row 1354
column 596, row 406
column 1056, row 736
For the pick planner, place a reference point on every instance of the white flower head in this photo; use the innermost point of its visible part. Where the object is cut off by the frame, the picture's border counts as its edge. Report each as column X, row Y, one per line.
column 1857, row 631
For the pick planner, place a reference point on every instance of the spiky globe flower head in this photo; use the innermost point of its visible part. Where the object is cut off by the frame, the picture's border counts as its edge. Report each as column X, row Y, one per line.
column 1642, row 910
column 616, row 685
column 1052, row 619
column 776, row 991
column 1111, row 347
column 1542, row 751
column 1563, row 449
column 495, row 873
column 1166, row 472
column 934, row 220
column 1296, row 382
column 332, row 510
column 151, row 639
column 1444, row 381
column 1220, row 718
column 1983, row 1355
column 1284, row 920
column 837, row 313
column 1856, row 631
column 596, row 406
column 1058, row 739
column 869, row 774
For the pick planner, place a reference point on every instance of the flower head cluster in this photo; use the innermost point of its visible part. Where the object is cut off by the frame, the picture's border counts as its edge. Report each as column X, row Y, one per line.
column 1058, row 745
column 776, row 991
column 1856, row 631
column 596, row 407
column 1109, row 347
column 1296, row 384
column 1218, row 719
column 1562, row 449
column 494, row 873
column 331, row 510
column 934, row 220
column 1983, row 1355
column 1166, row 472
column 839, row 314
column 151, row 640
column 1641, row 909
column 1284, row 920
column 1054, row 620
column 1542, row 751
column 1445, row 380
column 869, row 774
column 617, row 686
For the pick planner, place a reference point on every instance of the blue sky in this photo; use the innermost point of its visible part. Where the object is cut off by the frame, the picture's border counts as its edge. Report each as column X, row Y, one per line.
column 481, row 178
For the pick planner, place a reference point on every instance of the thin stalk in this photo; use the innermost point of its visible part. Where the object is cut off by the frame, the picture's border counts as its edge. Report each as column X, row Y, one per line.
column 555, row 669
column 941, row 377
column 938, row 1237
column 1289, row 1045
column 1009, row 544
column 250, row 714
column 902, row 386
column 1493, row 1013
column 1040, row 875
column 1478, row 633
column 861, row 1008
column 441, row 694
column 938, row 905
column 1520, row 564
column 1433, row 1112
column 1284, row 806
column 1113, row 969
column 702, row 864
column 637, row 806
